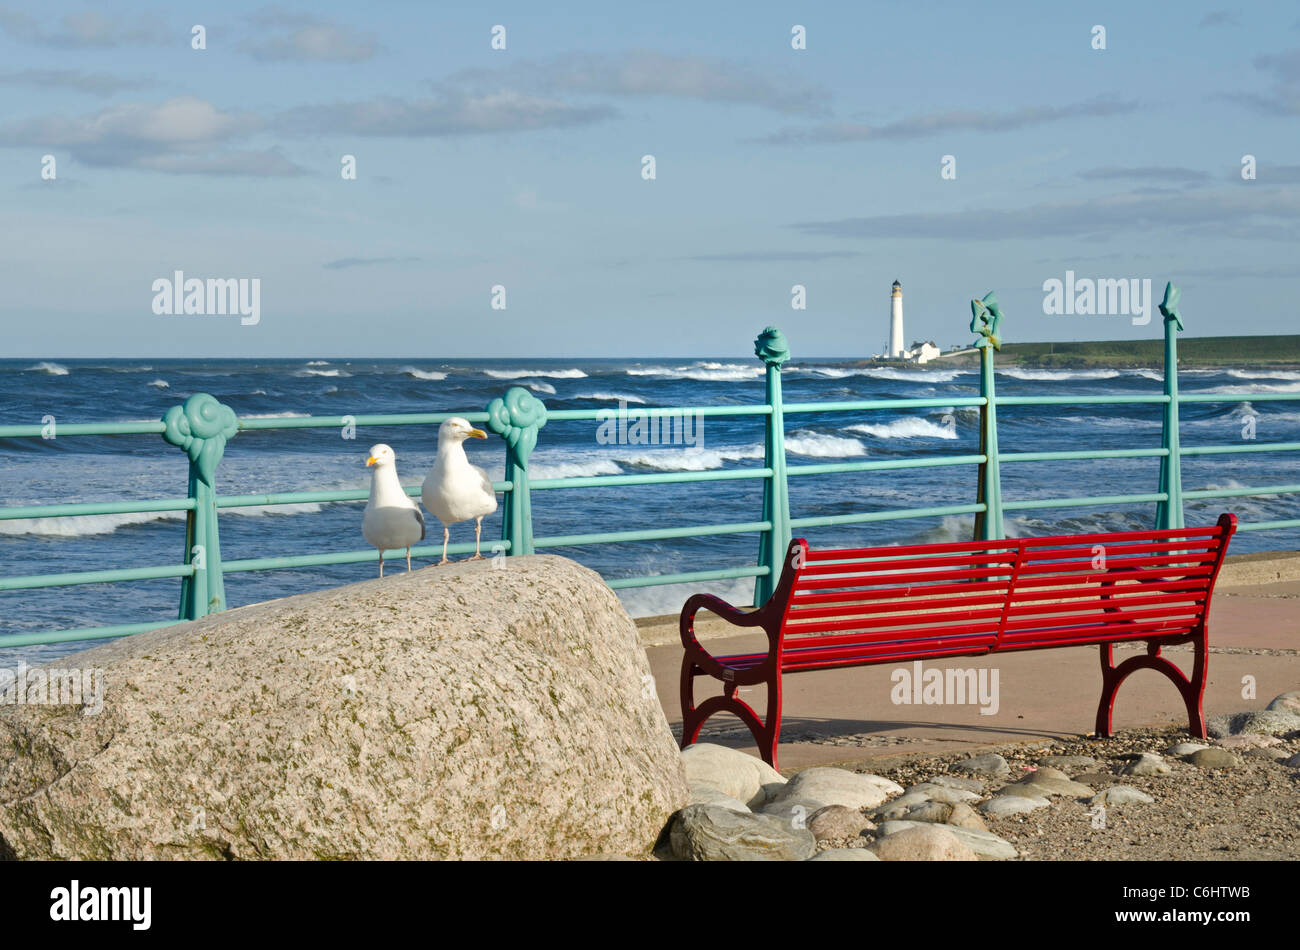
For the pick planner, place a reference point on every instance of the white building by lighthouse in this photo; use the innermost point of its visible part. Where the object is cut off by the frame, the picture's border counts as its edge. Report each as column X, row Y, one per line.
column 896, row 344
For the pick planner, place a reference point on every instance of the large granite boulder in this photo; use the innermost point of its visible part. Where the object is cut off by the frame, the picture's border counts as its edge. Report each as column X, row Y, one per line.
column 466, row 711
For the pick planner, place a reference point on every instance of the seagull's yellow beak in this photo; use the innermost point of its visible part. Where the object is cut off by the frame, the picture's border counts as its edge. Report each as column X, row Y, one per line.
column 478, row 433
column 371, row 461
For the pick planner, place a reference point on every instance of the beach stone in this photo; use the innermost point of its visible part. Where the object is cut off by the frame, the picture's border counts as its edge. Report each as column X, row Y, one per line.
column 708, row 795
column 1275, row 755
column 1272, row 722
column 989, row 764
column 845, row 854
column 1065, row 763
column 941, row 793
column 1293, row 762
column 712, row 833
column 922, row 842
column 460, row 712
column 1049, row 781
column 1001, row 806
column 985, row 844
column 1121, row 795
column 899, row 806
column 1286, row 702
column 835, row 823
column 1214, row 759
column 932, row 812
column 1146, row 763
column 839, row 787
column 964, row 816
column 958, row 782
column 796, row 811
column 1185, row 748
column 743, row 777
column 1247, row 741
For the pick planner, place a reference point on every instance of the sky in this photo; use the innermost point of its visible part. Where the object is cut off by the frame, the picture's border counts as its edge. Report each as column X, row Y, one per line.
column 524, row 168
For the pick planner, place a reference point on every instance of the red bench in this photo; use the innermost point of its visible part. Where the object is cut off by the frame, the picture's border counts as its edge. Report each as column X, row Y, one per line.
column 838, row 608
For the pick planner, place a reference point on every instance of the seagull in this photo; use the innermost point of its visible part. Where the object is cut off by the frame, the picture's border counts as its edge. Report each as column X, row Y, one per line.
column 455, row 490
column 392, row 518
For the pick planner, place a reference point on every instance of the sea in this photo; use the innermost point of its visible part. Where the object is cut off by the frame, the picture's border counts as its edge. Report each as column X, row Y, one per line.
column 114, row 468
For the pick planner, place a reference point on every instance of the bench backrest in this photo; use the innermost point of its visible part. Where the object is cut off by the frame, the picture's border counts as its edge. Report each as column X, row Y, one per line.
column 976, row 596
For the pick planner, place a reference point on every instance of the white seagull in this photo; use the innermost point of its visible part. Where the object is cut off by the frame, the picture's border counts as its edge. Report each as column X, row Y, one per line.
column 454, row 490
column 392, row 518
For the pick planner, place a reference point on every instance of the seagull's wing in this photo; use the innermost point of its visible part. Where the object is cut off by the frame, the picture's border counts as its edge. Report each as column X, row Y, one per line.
column 419, row 516
column 487, row 482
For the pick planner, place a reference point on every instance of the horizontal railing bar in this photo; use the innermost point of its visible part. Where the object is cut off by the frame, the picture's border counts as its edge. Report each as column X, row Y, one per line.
column 1067, row 456
column 654, row 412
column 1078, row 400
column 830, row 468
column 1236, row 397
column 76, row 578
column 86, row 633
column 290, row 561
column 653, row 534
column 655, row 478
column 301, row 497
column 338, row 422
column 867, row 405
column 1034, row 503
column 1227, row 449
column 1241, row 492
column 98, row 508
column 1267, row 525
column 83, row 428
column 623, row 583
column 833, row 520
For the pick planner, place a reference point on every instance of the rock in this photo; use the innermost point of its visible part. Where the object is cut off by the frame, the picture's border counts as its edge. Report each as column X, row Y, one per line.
column 845, row 854
column 932, row 812
column 839, row 787
column 462, row 712
column 922, row 843
column 1185, row 748
column 712, row 833
column 963, row 816
column 1121, row 795
column 985, row 844
column 1076, row 763
column 1001, row 806
column 1214, row 759
column 1146, row 763
column 957, row 781
column 605, row 857
column 796, row 811
column 1274, row 755
column 1271, row 722
column 744, row 777
column 990, row 764
column 941, row 793
column 1247, row 741
column 1293, row 762
column 1049, row 781
column 708, row 795
column 1287, row 702
column 899, row 806
column 836, row 823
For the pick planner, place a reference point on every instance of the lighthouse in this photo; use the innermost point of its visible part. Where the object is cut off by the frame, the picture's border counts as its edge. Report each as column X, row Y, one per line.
column 896, row 344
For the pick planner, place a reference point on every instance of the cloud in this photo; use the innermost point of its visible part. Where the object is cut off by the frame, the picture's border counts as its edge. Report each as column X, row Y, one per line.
column 184, row 135
column 649, row 74
column 88, row 29
column 1163, row 174
column 302, row 37
column 450, row 112
column 747, row 257
column 345, row 262
column 946, row 122
column 1283, row 97
column 1245, row 212
column 99, row 84
column 1219, row 18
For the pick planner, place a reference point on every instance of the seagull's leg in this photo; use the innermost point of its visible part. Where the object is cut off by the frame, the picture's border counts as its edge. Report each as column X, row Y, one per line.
column 478, row 533
column 408, row 560
column 446, row 536
column 381, row 563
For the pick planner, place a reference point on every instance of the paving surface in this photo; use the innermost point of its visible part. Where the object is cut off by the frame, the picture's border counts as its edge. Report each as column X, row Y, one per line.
column 847, row 716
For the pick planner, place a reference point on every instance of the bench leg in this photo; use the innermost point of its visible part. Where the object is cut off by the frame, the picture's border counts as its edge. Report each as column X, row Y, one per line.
column 766, row 734
column 1192, row 690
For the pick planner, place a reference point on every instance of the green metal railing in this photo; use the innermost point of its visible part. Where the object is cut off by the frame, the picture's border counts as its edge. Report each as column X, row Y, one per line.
column 202, row 426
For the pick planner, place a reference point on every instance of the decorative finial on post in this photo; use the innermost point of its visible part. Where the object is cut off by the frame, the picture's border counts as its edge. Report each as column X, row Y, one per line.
column 1169, row 306
column 516, row 417
column 985, row 318
column 771, row 347
column 201, row 426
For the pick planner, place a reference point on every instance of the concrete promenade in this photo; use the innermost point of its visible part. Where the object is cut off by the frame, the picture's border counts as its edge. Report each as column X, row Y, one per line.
column 846, row 716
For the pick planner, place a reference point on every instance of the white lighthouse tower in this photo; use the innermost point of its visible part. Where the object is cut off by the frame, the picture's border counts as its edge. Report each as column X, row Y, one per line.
column 896, row 344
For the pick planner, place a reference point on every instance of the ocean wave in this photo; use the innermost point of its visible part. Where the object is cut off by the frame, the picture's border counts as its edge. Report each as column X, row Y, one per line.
column 77, row 526
column 573, row 469
column 548, row 374
column 704, row 371
column 428, row 374
column 1264, row 374
column 321, row 372
column 611, row 397
column 1149, row 374
column 914, row 376
column 318, row 362
column 819, row 445
column 160, row 384
column 53, row 369
column 287, row 414
column 1248, row 388
column 1056, row 375
column 546, row 388
column 695, row 459
column 910, row 428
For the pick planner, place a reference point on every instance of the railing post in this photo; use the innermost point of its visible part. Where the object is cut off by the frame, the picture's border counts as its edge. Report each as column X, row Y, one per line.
column 985, row 318
column 516, row 417
column 771, row 347
column 201, row 426
column 1169, row 513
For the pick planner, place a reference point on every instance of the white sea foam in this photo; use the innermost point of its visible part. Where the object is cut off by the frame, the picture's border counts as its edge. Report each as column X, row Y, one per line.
column 53, row 369
column 819, row 445
column 287, row 414
column 546, row 388
column 611, row 397
column 1264, row 374
column 160, row 384
column 1247, row 388
column 909, row 428
column 1149, row 374
column 706, row 371
column 691, row 459
column 79, row 526
column 576, row 468
column 1057, row 375
column 321, row 372
column 914, row 376
column 428, row 374
column 318, row 362
column 547, row 373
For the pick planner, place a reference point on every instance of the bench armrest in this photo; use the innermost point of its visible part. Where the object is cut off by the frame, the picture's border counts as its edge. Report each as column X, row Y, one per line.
column 733, row 615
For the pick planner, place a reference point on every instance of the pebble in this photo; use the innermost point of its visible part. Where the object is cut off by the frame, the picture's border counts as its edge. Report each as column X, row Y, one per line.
column 1070, row 762
column 845, row 854
column 1273, row 754
column 1293, row 762
column 922, row 843
column 1214, row 759
column 835, row 823
column 797, row 811
column 963, row 816
column 1287, row 702
column 1121, row 795
column 1003, row 805
column 1247, row 741
column 839, row 787
column 989, row 764
column 714, row 833
column 1049, row 781
column 1185, row 748
column 1271, row 722
column 1146, row 763
column 708, row 795
column 984, row 843
column 957, row 781
column 933, row 812
column 941, row 793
